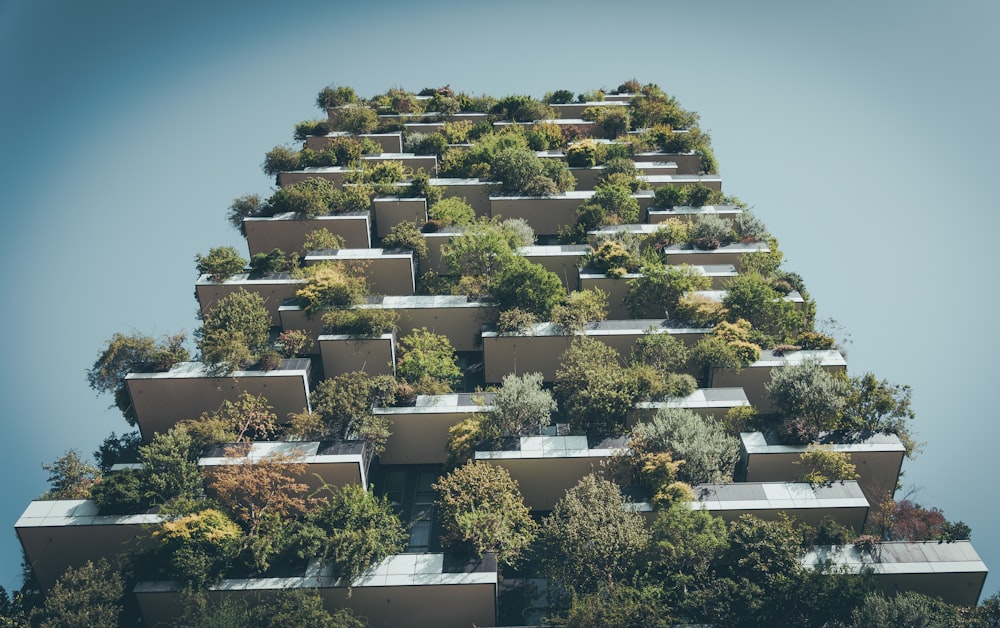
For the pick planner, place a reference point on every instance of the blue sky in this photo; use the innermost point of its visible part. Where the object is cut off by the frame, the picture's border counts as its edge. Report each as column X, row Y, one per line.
column 863, row 134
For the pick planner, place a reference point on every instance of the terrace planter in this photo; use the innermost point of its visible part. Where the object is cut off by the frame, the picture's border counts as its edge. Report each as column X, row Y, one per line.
column 337, row 463
column 455, row 317
column 389, row 142
column 878, row 458
column 756, row 376
column 288, row 231
column 374, row 355
column 420, row 431
column 545, row 467
column 656, row 215
column 274, row 289
column 726, row 254
column 189, row 389
column 541, row 349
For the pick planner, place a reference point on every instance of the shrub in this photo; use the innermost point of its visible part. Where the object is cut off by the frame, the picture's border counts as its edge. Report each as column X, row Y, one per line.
column 274, row 262
column 592, row 388
column 427, row 355
column 331, row 286
column 353, row 118
column 322, row 239
column 662, row 351
column 516, row 321
column 199, row 547
column 580, row 308
column 527, row 286
column 405, row 235
column 235, row 331
column 699, row 311
column 462, row 440
column 824, row 466
column 520, row 405
column 521, row 109
column 481, row 509
column 583, row 154
column 813, row 340
column 425, row 144
column 515, row 167
column 806, row 391
column 367, row 322
column 591, row 539
column 121, row 493
column 618, row 202
column 294, row 342
column 656, row 292
column 280, row 159
column 310, row 198
column 750, row 297
column 452, row 211
column 335, row 96
column 221, row 263
column 558, row 97
column 711, row 227
column 709, row 454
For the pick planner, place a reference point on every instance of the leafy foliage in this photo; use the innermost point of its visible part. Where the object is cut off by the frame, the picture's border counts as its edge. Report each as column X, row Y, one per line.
column 481, row 509
column 198, row 548
column 350, row 530
column 579, row 308
column 133, row 353
column 70, row 477
column 520, row 404
column 709, row 454
column 85, row 597
column 235, row 332
column 824, row 465
column 221, row 263
column 527, row 286
column 427, row 355
column 332, row 285
column 656, row 292
column 590, row 539
column 592, row 388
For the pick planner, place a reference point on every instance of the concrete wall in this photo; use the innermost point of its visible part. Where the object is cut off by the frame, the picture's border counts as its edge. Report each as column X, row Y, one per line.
column 288, row 231
column 388, row 272
column 186, row 391
column 273, row 291
column 455, row 317
column 546, row 215
column 390, row 211
column 344, row 354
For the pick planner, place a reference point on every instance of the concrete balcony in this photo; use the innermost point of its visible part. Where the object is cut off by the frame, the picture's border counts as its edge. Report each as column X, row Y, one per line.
column 878, row 458
column 656, row 215
column 63, row 533
column 389, row 142
column 541, row 349
column 337, row 463
column 189, row 389
column 754, row 378
column 731, row 254
column 389, row 271
column 545, row 467
column 456, row 317
column 288, row 231
column 952, row 571
column 561, row 259
column 413, row 590
column 420, row 431
column 390, row 211
column 345, row 353
column 711, row 403
column 844, row 502
column 274, row 289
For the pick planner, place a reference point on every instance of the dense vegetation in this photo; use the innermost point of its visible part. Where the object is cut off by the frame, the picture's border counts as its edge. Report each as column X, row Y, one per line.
column 258, row 515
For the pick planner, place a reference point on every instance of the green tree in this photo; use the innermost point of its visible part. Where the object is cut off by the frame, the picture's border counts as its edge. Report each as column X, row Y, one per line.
column 664, row 352
column 686, row 542
column 481, row 509
column 133, row 353
column 752, row 298
column 235, row 331
column 877, row 405
column 906, row 608
column 335, row 96
column 592, row 388
column 655, row 293
column 519, row 405
column 70, row 477
column 344, row 405
column 350, row 530
column 591, row 539
column 824, row 466
column 310, row 198
column 330, row 286
column 355, row 118
column 86, row 597
column 405, row 235
column 244, row 207
column 199, row 547
column 452, row 211
column 579, row 308
column 807, row 391
column 428, row 356
column 709, row 454
column 527, row 286
column 221, row 263
column 170, row 467
column 122, row 493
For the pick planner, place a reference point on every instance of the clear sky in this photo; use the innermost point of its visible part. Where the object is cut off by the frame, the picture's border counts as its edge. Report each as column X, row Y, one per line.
column 864, row 134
